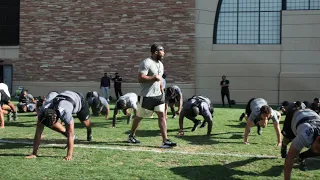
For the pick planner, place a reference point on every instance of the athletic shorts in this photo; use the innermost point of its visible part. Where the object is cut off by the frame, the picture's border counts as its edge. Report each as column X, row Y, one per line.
column 147, row 105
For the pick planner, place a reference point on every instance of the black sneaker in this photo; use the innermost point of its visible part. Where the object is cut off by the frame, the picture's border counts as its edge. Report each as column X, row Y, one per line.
column 89, row 137
column 283, row 151
column 259, row 130
column 9, row 116
column 168, row 144
column 196, row 124
column 242, row 116
column 203, row 125
column 303, row 166
column 132, row 139
column 15, row 116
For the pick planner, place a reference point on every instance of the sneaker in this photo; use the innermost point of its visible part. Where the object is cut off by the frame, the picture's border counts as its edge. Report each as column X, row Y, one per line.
column 283, row 151
column 303, row 166
column 242, row 116
column 89, row 137
column 132, row 139
column 9, row 116
column 196, row 124
column 168, row 144
column 15, row 116
column 259, row 130
column 203, row 125
column 174, row 116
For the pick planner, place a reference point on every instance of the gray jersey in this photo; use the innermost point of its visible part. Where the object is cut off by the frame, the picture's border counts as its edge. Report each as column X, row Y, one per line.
column 150, row 67
column 49, row 97
column 255, row 106
column 177, row 94
column 292, row 106
column 131, row 100
column 104, row 103
column 204, row 107
column 66, row 108
column 304, row 132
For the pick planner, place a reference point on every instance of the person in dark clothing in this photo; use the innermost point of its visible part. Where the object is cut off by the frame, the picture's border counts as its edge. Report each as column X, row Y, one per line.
column 105, row 86
column 224, row 83
column 315, row 105
column 117, row 85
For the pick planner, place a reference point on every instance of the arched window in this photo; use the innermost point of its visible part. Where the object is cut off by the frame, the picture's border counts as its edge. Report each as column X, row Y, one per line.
column 254, row 21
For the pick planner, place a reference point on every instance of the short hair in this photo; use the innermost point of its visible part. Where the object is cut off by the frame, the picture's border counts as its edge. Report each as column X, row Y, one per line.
column 316, row 99
column 285, row 103
column 49, row 117
column 265, row 109
column 96, row 102
column 121, row 103
column 156, row 47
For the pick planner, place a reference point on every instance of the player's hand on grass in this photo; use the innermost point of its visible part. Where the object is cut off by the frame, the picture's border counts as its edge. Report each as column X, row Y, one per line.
column 32, row 156
column 68, row 158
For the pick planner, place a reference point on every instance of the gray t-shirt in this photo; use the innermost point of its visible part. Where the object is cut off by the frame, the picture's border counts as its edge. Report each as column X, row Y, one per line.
column 150, row 67
column 304, row 133
column 66, row 108
column 204, row 108
column 177, row 94
column 255, row 106
column 131, row 100
column 104, row 102
column 49, row 97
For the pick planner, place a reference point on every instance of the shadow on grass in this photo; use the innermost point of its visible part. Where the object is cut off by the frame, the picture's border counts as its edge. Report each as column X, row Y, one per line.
column 21, row 124
column 151, row 133
column 224, row 171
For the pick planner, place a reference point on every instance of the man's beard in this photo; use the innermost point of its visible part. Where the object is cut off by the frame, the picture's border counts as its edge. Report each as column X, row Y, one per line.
column 159, row 57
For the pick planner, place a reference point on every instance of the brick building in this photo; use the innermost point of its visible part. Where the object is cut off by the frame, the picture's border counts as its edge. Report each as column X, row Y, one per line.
column 266, row 49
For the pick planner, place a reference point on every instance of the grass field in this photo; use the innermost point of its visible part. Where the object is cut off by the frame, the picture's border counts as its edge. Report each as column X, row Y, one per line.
column 109, row 156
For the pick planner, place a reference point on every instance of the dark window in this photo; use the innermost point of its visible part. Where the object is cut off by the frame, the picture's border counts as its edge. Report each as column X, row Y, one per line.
column 9, row 22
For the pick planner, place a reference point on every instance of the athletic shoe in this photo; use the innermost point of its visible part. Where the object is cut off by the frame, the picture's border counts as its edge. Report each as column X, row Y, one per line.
column 168, row 144
column 174, row 116
column 303, row 166
column 242, row 116
column 132, row 139
column 203, row 125
column 283, row 151
column 196, row 124
column 259, row 130
column 89, row 137
column 9, row 116
column 15, row 116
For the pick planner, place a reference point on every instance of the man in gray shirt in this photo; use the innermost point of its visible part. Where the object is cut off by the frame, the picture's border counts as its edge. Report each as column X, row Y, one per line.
column 124, row 103
column 197, row 105
column 306, row 128
column 62, row 107
column 258, row 113
column 99, row 105
column 173, row 97
column 151, row 96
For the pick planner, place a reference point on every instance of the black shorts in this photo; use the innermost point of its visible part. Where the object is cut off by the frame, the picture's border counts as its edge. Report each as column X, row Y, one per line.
column 4, row 97
column 151, row 102
column 84, row 113
column 248, row 109
column 286, row 130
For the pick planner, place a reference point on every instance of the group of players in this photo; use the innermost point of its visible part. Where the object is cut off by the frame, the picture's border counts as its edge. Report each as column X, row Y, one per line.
column 301, row 125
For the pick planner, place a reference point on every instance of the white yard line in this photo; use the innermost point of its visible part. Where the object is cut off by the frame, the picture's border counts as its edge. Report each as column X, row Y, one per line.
column 135, row 149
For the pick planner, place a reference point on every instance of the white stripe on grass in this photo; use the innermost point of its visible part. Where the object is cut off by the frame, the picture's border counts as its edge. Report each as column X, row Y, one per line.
column 160, row 150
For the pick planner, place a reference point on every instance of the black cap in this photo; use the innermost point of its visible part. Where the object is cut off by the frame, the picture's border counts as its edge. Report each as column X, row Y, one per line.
column 156, row 47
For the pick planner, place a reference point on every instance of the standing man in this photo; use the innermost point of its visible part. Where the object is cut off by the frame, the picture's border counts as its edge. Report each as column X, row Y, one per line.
column 224, row 83
column 117, row 85
column 105, row 86
column 62, row 107
column 151, row 97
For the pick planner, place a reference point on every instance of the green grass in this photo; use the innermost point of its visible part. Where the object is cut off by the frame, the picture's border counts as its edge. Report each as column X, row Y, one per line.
column 89, row 163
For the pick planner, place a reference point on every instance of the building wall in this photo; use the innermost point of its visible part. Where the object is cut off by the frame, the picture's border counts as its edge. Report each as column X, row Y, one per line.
column 300, row 55
column 288, row 71
column 65, row 43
